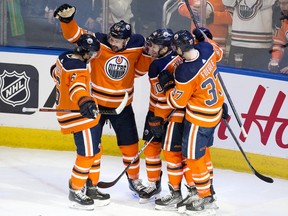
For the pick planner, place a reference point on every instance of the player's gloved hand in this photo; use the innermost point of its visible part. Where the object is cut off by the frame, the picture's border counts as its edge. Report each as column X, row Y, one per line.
column 225, row 114
column 88, row 107
column 199, row 35
column 65, row 13
column 156, row 126
column 166, row 80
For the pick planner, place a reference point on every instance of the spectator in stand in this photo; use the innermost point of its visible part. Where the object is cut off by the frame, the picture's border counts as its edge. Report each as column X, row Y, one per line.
column 251, row 32
column 218, row 19
column 280, row 39
column 121, row 10
column 147, row 18
column 87, row 14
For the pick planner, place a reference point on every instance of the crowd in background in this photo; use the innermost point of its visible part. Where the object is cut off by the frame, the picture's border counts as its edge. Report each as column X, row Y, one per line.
column 244, row 29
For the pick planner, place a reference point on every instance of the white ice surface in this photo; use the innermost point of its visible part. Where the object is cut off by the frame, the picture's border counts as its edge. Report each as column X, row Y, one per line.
column 35, row 183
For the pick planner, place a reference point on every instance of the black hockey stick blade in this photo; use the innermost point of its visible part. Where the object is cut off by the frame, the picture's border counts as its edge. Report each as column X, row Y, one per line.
column 260, row 176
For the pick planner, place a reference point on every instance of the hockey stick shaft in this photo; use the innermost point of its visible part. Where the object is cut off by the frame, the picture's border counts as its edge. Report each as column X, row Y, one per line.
column 219, row 75
column 260, row 176
column 102, row 184
column 116, row 111
column 103, row 112
column 232, row 106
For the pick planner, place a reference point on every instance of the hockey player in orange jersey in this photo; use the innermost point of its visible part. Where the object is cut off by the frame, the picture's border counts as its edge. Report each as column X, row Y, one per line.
column 278, row 62
column 113, row 72
column 197, row 89
column 71, row 74
column 217, row 20
column 160, row 48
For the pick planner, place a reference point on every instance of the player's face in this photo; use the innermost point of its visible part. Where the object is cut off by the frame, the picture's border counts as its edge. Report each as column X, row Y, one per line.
column 90, row 55
column 179, row 51
column 154, row 50
column 284, row 6
column 116, row 44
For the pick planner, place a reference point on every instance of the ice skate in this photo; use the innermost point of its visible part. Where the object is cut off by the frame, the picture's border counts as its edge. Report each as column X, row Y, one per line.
column 135, row 186
column 210, row 203
column 100, row 199
column 191, row 196
column 196, row 207
column 169, row 202
column 79, row 200
column 151, row 191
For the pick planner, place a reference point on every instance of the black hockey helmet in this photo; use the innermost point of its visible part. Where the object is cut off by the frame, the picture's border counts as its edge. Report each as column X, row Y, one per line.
column 162, row 37
column 87, row 43
column 184, row 40
column 121, row 30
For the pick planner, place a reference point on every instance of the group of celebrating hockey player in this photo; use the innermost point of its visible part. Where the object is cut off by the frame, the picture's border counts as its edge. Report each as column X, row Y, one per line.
column 186, row 104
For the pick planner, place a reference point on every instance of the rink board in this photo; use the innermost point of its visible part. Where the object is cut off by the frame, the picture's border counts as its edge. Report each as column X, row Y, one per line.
column 259, row 98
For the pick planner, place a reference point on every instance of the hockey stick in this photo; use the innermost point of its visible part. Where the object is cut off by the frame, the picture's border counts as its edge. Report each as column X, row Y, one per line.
column 116, row 111
column 219, row 76
column 102, row 184
column 260, row 176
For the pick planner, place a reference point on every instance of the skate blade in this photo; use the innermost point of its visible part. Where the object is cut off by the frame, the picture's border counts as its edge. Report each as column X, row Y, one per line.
column 182, row 209
column 205, row 212
column 77, row 206
column 211, row 206
column 136, row 195
column 166, row 208
column 147, row 200
column 99, row 203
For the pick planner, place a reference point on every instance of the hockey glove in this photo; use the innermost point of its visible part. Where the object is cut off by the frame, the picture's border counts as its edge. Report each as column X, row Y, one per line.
column 88, row 107
column 166, row 80
column 198, row 33
column 225, row 114
column 65, row 13
column 156, row 126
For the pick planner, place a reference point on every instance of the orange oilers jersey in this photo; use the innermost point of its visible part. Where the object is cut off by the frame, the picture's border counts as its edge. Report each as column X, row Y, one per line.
column 198, row 87
column 112, row 72
column 280, row 40
column 72, row 79
column 158, row 102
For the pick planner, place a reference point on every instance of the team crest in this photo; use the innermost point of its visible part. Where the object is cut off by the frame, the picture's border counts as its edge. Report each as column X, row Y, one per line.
column 117, row 67
column 247, row 10
column 14, row 88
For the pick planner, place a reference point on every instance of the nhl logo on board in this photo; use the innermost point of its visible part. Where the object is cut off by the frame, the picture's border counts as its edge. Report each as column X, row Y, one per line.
column 14, row 88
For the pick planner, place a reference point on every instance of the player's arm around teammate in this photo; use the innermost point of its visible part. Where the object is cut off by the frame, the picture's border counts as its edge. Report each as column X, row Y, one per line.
column 113, row 73
column 197, row 89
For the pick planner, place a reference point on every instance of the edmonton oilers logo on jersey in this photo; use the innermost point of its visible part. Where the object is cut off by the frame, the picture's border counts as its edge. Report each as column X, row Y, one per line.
column 248, row 10
column 116, row 67
column 14, row 88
